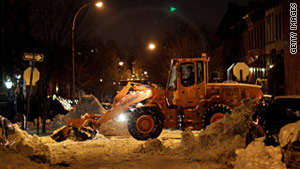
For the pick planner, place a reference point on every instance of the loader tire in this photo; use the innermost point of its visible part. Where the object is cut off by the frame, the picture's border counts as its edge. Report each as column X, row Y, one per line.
column 214, row 114
column 145, row 123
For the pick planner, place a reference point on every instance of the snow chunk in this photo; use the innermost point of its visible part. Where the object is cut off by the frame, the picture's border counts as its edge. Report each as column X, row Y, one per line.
column 114, row 128
column 259, row 156
column 289, row 133
column 188, row 141
column 151, row 146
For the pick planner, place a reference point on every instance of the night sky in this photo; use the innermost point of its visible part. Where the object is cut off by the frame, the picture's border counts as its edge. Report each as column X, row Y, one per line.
column 124, row 20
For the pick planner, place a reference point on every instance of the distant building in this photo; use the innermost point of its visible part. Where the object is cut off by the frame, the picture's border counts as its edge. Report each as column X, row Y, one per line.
column 263, row 42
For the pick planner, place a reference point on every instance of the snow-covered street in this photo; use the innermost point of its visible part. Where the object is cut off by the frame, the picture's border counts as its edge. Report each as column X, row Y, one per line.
column 219, row 146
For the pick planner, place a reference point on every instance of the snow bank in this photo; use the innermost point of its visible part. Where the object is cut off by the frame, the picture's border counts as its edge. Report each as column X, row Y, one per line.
column 218, row 142
column 87, row 104
column 259, row 156
column 28, row 145
column 11, row 159
column 24, row 151
column 289, row 133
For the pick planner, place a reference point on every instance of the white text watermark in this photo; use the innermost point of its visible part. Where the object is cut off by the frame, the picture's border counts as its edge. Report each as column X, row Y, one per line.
column 293, row 28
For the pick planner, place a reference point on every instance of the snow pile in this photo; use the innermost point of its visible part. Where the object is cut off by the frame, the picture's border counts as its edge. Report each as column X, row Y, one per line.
column 114, row 128
column 29, row 146
column 218, row 142
column 259, row 156
column 26, row 148
column 188, row 141
column 152, row 146
column 11, row 159
column 88, row 104
column 289, row 133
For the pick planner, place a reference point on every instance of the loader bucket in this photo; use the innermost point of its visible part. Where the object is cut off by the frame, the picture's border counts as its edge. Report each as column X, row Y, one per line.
column 87, row 126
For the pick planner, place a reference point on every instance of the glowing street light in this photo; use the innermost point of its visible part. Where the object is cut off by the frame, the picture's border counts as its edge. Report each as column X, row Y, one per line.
column 121, row 63
column 151, row 46
column 8, row 84
column 98, row 4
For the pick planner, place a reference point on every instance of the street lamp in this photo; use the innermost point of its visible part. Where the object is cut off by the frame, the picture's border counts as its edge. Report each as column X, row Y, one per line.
column 151, row 46
column 8, row 84
column 98, row 4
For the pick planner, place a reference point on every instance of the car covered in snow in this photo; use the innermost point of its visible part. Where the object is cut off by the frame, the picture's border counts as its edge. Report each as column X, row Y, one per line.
column 271, row 114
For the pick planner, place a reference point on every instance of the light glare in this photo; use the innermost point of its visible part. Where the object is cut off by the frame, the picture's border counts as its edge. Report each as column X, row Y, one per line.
column 99, row 4
column 8, row 84
column 122, row 117
column 151, row 46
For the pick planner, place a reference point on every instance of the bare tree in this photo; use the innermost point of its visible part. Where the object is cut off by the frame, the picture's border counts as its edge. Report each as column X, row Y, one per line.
column 51, row 25
column 183, row 41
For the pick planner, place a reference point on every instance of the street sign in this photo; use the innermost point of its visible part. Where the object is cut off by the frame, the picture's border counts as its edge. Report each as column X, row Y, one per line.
column 35, row 76
column 241, row 71
column 33, row 57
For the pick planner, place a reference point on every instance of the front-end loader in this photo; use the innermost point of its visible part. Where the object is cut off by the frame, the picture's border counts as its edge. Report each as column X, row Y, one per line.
column 188, row 102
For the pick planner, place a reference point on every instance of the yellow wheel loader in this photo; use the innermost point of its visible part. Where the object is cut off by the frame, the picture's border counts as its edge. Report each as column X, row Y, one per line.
column 189, row 101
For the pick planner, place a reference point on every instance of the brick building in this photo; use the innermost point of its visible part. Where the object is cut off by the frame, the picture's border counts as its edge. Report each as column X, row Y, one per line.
column 264, row 44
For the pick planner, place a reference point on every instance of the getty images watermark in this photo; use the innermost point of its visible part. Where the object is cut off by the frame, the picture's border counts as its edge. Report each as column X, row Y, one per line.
column 293, row 28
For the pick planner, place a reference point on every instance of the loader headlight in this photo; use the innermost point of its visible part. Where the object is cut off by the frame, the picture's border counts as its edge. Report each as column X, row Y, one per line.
column 122, row 117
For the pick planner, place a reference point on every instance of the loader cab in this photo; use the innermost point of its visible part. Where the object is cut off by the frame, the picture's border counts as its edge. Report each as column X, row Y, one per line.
column 187, row 81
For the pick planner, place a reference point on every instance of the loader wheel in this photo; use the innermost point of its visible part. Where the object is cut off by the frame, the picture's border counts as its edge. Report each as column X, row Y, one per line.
column 214, row 114
column 145, row 123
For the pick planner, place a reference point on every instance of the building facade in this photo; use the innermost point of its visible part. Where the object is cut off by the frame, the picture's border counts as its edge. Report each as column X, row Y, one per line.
column 268, row 45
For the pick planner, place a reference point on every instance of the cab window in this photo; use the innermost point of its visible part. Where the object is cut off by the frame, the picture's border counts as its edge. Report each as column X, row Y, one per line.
column 173, row 78
column 187, row 74
column 199, row 72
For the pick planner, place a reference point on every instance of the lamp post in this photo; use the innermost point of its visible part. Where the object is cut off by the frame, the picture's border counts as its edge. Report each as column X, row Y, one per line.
column 98, row 4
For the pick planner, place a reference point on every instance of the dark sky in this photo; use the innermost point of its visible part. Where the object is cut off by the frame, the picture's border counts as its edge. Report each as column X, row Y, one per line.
column 123, row 20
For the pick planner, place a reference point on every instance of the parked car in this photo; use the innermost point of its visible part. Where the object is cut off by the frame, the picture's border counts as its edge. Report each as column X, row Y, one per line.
column 271, row 115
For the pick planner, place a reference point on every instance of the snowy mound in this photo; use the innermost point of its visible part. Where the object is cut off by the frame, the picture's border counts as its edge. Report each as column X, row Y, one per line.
column 259, row 156
column 152, row 146
column 23, row 151
column 218, row 142
column 88, row 104
column 289, row 133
